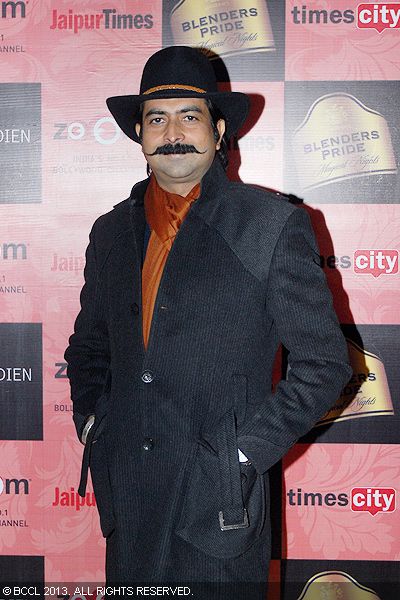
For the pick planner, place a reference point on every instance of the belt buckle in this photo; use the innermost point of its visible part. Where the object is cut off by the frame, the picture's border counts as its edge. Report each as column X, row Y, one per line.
column 242, row 525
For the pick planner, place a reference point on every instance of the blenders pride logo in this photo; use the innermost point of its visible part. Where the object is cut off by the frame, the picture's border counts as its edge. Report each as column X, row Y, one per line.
column 223, row 28
column 21, row 381
column 339, row 139
column 20, row 142
column 335, row 585
column 367, row 393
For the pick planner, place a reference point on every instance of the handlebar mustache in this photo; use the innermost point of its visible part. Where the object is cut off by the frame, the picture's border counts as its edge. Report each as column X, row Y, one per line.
column 175, row 149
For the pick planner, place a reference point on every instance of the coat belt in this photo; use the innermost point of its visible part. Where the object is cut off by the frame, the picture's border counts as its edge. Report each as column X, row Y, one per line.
column 86, row 456
column 234, row 514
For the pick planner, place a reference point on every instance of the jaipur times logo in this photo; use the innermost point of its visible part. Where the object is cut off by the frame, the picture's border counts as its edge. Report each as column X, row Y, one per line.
column 108, row 18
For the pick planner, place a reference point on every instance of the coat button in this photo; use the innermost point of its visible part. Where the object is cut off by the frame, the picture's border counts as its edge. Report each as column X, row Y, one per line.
column 135, row 308
column 147, row 376
column 148, row 444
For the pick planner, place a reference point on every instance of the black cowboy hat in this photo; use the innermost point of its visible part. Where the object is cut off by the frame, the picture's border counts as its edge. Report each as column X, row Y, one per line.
column 179, row 72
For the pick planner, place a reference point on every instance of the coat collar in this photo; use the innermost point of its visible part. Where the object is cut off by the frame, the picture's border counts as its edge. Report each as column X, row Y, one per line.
column 131, row 217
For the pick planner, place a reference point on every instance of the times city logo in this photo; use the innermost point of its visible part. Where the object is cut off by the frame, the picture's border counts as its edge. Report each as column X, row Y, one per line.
column 109, row 18
column 371, row 499
column 369, row 15
column 370, row 261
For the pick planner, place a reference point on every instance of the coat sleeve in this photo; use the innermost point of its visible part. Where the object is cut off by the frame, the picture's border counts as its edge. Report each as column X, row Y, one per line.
column 88, row 353
column 300, row 304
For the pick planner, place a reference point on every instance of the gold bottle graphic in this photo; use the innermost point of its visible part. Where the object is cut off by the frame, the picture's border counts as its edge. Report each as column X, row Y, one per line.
column 222, row 28
column 367, row 394
column 342, row 139
column 336, row 585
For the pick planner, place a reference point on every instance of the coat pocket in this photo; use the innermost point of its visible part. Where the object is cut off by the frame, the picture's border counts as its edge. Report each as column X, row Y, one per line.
column 202, row 519
column 101, row 485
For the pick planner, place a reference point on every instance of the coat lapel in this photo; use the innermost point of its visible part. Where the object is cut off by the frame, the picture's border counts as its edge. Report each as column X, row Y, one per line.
column 126, row 257
column 127, row 253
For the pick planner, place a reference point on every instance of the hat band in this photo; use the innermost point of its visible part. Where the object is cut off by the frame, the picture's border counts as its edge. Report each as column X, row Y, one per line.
column 174, row 86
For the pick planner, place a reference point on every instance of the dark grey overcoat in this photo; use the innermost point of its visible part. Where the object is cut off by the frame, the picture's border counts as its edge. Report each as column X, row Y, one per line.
column 243, row 275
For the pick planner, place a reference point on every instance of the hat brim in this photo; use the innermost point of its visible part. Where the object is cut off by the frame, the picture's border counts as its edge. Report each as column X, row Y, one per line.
column 233, row 105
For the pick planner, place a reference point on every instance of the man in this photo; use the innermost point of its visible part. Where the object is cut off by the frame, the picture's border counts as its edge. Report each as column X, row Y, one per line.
column 190, row 285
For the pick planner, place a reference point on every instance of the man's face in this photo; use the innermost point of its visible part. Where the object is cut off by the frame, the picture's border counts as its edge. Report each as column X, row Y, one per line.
column 181, row 129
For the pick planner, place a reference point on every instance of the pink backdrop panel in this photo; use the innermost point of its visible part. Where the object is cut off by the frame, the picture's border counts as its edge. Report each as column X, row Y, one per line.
column 21, row 487
column 330, row 46
column 257, row 157
column 355, row 243
column 323, row 525
column 79, row 53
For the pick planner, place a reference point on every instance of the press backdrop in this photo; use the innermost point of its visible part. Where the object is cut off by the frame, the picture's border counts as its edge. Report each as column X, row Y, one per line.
column 324, row 128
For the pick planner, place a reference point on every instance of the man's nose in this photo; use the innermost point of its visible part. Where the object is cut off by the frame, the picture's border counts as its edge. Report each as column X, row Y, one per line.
column 173, row 132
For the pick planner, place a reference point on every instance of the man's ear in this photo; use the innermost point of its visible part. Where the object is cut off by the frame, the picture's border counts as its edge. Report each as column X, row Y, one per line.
column 138, row 129
column 221, row 130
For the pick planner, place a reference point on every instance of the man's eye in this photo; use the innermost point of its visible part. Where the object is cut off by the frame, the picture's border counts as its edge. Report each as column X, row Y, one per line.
column 190, row 117
column 156, row 120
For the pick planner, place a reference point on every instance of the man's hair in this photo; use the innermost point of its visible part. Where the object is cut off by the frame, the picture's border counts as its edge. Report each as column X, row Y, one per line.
column 215, row 115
